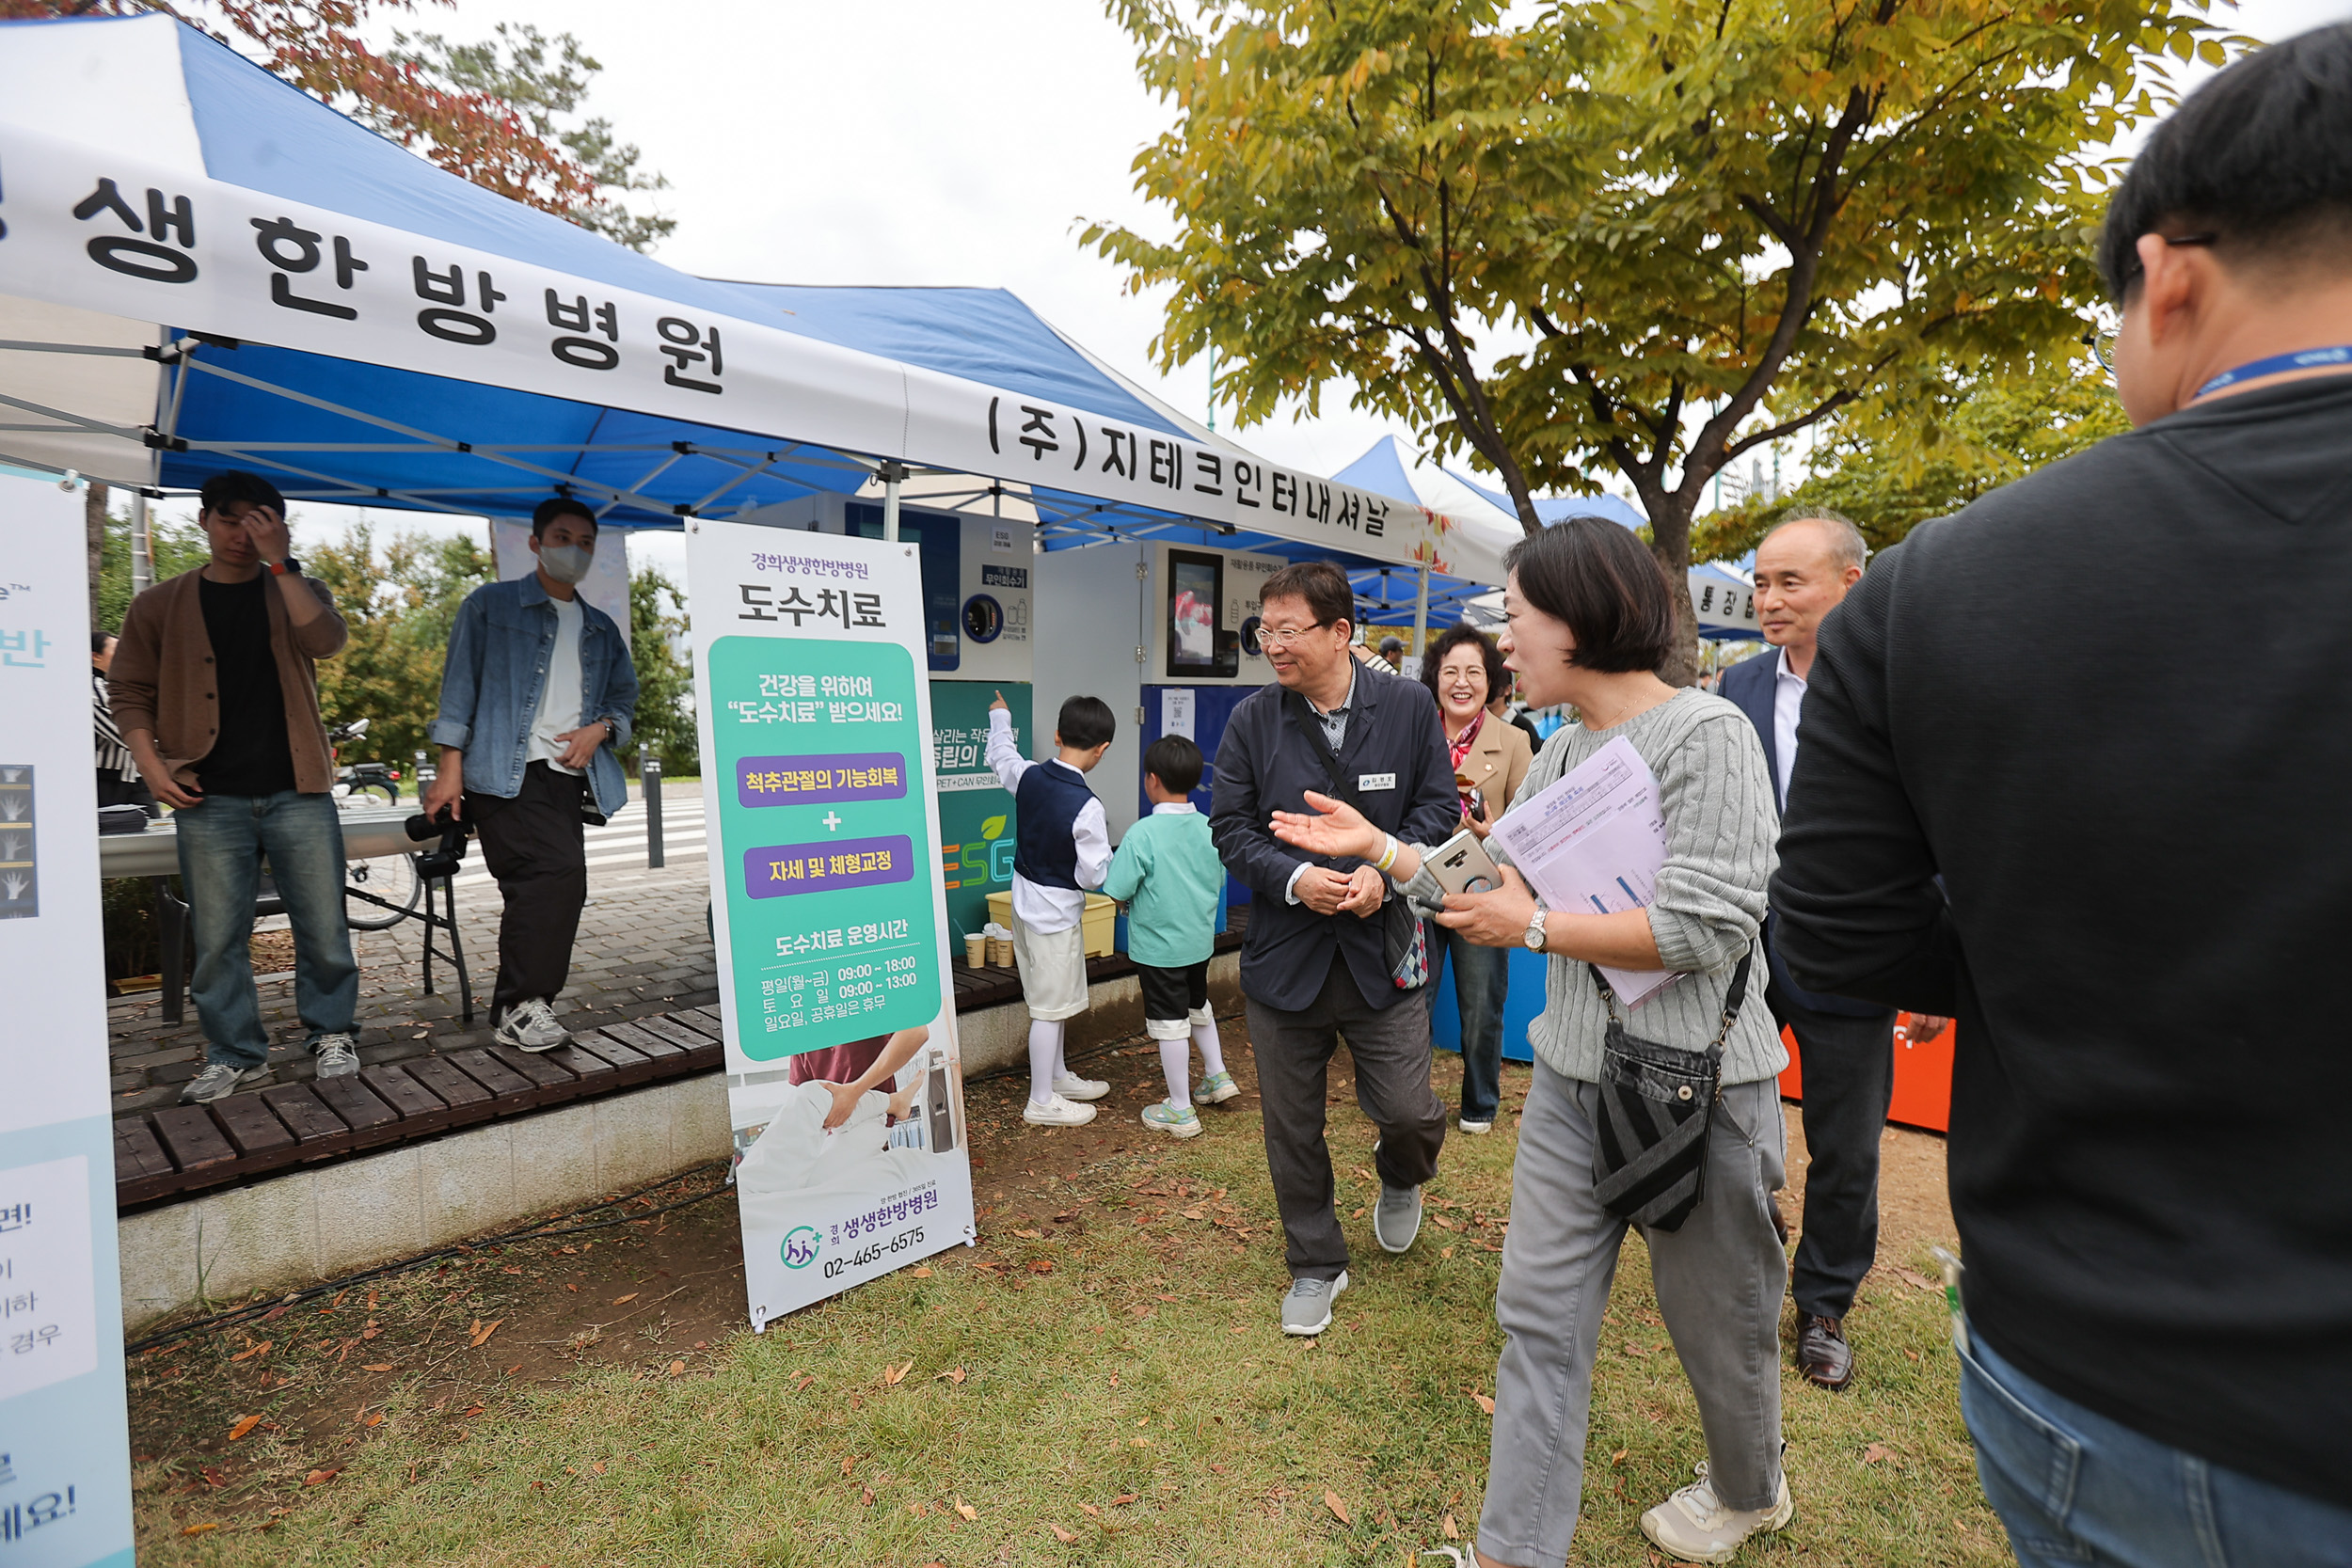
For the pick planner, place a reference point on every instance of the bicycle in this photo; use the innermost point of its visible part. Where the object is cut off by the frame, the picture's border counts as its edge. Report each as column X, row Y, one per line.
column 387, row 886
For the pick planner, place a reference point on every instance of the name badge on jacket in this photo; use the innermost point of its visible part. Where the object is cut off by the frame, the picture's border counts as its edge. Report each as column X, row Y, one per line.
column 1367, row 783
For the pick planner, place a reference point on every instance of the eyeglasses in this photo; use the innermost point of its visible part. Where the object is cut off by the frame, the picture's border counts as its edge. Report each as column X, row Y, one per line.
column 1288, row 636
column 2100, row 338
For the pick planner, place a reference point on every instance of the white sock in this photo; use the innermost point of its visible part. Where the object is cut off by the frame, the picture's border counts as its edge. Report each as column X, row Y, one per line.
column 1176, row 1063
column 1045, row 1057
column 1206, row 1042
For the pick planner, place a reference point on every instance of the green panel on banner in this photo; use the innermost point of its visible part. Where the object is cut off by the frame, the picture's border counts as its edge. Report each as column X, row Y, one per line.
column 976, row 813
column 825, row 838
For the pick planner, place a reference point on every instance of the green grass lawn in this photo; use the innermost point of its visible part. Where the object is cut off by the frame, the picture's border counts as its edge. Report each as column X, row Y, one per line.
column 1101, row 1383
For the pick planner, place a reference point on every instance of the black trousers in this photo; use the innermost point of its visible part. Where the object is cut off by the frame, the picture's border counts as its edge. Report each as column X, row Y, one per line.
column 534, row 844
column 1391, row 1048
column 1849, row 1069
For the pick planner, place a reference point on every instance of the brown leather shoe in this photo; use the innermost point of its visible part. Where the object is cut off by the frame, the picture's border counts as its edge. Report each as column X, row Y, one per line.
column 1822, row 1355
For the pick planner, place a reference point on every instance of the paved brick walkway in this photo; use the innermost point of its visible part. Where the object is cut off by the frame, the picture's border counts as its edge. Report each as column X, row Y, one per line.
column 643, row 948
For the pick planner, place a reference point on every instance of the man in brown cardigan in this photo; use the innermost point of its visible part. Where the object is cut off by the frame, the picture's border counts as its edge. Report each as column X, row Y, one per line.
column 213, row 688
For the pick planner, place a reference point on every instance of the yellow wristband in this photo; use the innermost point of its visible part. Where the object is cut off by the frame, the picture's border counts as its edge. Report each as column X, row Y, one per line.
column 1388, row 859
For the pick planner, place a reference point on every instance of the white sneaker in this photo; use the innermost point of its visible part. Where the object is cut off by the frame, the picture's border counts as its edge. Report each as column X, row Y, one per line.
column 337, row 1059
column 1696, row 1527
column 1056, row 1112
column 1475, row 1128
column 1070, row 1086
column 530, row 1026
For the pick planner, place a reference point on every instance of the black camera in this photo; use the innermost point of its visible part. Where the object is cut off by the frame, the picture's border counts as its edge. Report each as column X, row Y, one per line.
column 444, row 858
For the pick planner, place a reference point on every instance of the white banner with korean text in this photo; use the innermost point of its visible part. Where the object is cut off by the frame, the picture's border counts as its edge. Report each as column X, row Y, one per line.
column 100, row 230
column 845, row 1084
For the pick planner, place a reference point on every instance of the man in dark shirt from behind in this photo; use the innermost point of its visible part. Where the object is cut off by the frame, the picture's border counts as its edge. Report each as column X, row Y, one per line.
column 2142, row 847
column 212, row 685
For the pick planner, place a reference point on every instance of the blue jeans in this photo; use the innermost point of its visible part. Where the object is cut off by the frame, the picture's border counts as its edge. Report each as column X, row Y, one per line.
column 1481, row 980
column 2074, row 1487
column 222, row 841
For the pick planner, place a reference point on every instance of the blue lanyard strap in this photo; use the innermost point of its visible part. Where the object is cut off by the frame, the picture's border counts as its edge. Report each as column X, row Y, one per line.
column 2302, row 359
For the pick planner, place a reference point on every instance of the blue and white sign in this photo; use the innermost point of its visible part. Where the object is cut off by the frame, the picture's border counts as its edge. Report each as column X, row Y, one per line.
column 64, row 1468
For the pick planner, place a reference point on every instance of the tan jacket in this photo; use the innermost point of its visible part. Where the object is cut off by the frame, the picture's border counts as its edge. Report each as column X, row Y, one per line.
column 1497, row 763
column 162, row 677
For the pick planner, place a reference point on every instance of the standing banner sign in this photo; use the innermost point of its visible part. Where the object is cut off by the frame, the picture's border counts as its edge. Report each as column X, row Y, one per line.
column 814, row 705
column 65, row 1445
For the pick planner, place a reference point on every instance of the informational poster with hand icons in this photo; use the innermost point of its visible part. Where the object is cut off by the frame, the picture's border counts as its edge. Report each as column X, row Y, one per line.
column 844, row 1078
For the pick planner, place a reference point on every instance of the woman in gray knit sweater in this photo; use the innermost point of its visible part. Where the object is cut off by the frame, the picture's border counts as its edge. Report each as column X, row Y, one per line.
column 1589, row 621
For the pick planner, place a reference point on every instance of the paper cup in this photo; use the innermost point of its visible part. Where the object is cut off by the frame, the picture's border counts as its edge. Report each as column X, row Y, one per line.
column 999, row 952
column 974, row 950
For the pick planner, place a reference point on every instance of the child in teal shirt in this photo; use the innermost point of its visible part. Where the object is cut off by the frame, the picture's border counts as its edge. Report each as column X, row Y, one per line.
column 1167, row 873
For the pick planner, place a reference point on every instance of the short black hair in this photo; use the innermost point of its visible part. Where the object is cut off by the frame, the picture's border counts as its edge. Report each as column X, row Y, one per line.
column 1498, row 678
column 1086, row 722
column 1175, row 762
column 235, row 486
column 559, row 506
column 98, row 641
column 1322, row 585
column 1600, row 579
column 2260, row 157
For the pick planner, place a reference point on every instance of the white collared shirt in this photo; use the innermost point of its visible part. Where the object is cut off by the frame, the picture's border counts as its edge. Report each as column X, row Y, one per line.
column 1787, row 698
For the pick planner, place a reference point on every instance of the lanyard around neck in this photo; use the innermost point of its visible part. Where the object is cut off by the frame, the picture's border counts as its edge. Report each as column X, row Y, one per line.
column 2301, row 360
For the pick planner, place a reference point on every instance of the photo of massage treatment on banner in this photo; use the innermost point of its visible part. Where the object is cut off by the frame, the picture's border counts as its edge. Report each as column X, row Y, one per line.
column 844, row 1083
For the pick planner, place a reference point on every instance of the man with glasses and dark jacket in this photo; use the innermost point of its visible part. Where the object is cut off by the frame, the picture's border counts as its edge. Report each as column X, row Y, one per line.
column 1314, row 965
column 2143, row 872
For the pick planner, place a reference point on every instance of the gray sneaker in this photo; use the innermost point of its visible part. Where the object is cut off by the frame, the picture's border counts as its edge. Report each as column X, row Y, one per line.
column 337, row 1059
column 530, row 1026
column 219, row 1081
column 1396, row 1218
column 1308, row 1308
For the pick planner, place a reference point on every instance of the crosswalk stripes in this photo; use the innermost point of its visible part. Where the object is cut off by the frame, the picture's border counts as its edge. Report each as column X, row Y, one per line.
column 621, row 841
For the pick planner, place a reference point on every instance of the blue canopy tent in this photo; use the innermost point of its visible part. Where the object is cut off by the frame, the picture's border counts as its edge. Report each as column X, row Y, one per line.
column 203, row 267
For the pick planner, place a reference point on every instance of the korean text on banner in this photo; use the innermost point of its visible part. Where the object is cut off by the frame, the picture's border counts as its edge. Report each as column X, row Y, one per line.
column 65, row 1469
column 814, row 704
column 1594, row 841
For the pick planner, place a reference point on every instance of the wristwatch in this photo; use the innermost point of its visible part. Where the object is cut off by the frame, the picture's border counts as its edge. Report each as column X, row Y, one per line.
column 1535, row 934
column 288, row 567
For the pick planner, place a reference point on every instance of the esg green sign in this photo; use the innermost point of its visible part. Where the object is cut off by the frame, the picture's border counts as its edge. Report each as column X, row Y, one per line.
column 976, row 815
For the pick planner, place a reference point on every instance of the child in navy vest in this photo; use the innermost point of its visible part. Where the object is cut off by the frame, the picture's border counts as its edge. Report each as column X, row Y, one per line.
column 1062, row 848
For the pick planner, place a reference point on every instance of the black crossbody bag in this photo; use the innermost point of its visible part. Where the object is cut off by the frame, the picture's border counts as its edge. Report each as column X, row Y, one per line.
column 1400, row 927
column 1650, row 1153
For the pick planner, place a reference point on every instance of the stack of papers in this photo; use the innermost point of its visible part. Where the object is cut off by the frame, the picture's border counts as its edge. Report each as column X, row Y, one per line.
column 1593, row 843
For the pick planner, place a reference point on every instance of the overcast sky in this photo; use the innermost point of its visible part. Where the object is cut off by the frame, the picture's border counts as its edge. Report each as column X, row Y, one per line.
column 924, row 142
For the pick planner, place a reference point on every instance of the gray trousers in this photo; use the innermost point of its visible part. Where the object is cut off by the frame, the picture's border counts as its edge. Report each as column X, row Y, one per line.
column 1719, row 1282
column 1391, row 1048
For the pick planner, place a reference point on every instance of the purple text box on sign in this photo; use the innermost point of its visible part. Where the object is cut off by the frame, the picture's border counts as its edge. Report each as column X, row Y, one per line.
column 785, row 869
column 816, row 780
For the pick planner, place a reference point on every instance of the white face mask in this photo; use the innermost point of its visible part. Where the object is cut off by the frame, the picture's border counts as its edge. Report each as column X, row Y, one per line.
column 565, row 562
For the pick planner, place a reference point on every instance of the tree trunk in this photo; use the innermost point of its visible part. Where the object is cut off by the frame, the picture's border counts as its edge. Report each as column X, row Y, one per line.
column 94, row 533
column 1670, row 544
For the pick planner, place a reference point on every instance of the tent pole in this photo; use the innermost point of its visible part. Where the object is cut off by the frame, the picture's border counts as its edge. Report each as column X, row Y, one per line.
column 891, row 474
column 142, row 546
column 1421, row 614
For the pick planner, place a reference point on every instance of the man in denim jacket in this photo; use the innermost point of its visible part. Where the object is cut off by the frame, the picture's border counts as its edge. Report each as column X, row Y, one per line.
column 536, row 700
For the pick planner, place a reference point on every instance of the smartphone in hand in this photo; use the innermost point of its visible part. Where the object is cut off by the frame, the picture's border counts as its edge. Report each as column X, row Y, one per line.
column 1461, row 864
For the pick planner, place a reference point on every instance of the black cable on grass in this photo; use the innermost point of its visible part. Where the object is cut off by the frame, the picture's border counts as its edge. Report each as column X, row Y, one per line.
column 231, row 1318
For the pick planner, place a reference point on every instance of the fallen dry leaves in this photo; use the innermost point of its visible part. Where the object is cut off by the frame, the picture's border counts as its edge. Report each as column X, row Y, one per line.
column 893, row 1377
column 377, row 1366
column 482, row 1331
column 1338, row 1509
column 1486, row 1402
column 252, row 1351
column 320, row 1478
column 967, row 1511
column 623, row 1301
column 956, row 1376
column 922, row 1271
column 243, row 1426
column 198, row 1529
column 1876, row 1453
column 1452, row 1531
column 678, row 1368
column 1068, row 1538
